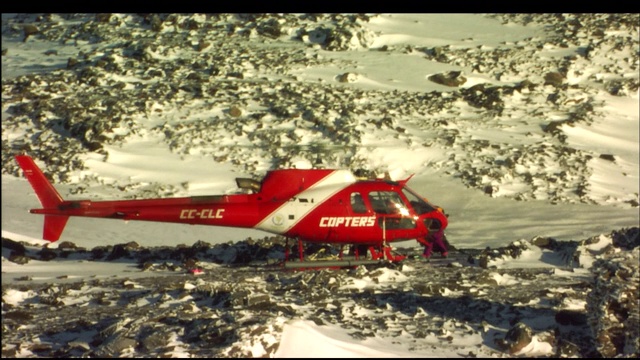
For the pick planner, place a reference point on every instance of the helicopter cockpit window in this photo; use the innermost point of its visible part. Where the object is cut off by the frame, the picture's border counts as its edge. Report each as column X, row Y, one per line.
column 357, row 203
column 420, row 206
column 387, row 202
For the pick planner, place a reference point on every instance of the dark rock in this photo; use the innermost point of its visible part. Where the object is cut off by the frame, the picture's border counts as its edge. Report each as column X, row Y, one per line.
column 553, row 78
column 9, row 352
column 606, row 345
column 123, row 250
column 202, row 45
column 317, row 320
column 486, row 278
column 218, row 336
column 490, row 189
column 103, row 18
column 156, row 23
column 488, row 98
column 571, row 317
column 200, row 245
column 40, row 347
column 235, row 112
column 19, row 315
column 51, row 300
column 190, row 263
column 483, row 261
column 608, row 157
column 544, row 242
column 115, row 345
column 525, row 84
column 347, row 77
column 118, row 251
column 633, row 203
column 257, row 300
column 612, row 304
column 239, row 297
column 132, row 245
column 67, row 245
column 99, row 252
column 47, row 254
column 627, row 238
column 519, row 336
column 19, row 259
column 554, row 126
column 156, row 340
column 319, row 35
column 270, row 28
column 15, row 246
column 235, row 74
column 29, row 30
column 449, row 78
column 567, row 349
column 72, row 63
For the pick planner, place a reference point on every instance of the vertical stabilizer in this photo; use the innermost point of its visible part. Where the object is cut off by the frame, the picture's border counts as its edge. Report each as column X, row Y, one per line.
column 48, row 196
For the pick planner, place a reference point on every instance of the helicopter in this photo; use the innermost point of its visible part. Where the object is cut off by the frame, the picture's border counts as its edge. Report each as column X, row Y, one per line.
column 322, row 206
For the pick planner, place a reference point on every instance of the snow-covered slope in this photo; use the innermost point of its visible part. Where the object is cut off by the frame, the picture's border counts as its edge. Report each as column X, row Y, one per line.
column 519, row 125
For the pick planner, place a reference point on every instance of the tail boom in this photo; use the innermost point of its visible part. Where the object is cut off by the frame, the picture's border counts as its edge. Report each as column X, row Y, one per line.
column 219, row 210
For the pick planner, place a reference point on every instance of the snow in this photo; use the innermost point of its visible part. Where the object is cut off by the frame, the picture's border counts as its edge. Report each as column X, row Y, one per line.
column 332, row 343
column 476, row 220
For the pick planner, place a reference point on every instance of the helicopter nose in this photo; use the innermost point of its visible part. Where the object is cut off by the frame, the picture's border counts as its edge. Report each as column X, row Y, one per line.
column 432, row 224
column 435, row 221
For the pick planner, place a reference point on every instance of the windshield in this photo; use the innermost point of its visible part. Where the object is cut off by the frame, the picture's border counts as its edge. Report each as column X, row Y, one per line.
column 420, row 205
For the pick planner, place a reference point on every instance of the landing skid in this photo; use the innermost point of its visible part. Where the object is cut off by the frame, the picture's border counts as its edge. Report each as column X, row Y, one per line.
column 321, row 264
column 381, row 254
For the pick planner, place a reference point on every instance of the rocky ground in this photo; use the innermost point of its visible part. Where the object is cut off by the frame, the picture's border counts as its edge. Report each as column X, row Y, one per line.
column 587, row 306
column 137, row 71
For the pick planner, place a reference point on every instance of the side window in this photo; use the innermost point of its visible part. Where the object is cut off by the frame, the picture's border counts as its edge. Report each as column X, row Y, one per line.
column 377, row 203
column 357, row 203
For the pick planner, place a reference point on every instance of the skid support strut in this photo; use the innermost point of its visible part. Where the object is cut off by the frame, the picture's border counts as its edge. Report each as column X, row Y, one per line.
column 385, row 254
column 379, row 254
column 300, row 250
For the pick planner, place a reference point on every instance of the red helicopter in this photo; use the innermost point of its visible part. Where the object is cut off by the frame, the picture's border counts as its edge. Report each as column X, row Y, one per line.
column 309, row 205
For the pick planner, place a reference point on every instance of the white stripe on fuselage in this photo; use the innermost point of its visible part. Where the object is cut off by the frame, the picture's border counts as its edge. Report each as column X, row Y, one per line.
column 279, row 221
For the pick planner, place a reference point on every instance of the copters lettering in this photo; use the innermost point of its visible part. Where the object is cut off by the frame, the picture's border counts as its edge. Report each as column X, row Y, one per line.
column 347, row 221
